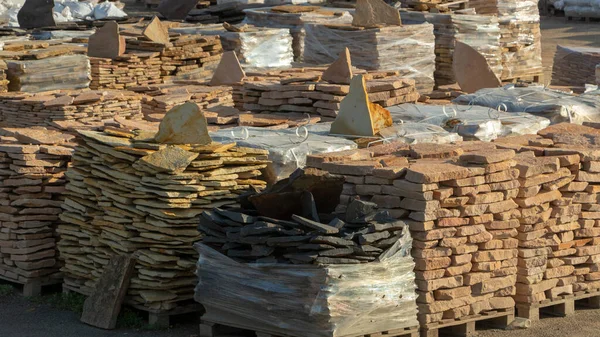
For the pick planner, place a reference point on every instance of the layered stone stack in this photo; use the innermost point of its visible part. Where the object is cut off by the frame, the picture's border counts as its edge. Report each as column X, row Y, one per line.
column 129, row 70
column 306, row 93
column 32, row 174
column 3, row 77
column 408, row 49
column 68, row 109
column 460, row 212
column 575, row 66
column 128, row 194
column 159, row 99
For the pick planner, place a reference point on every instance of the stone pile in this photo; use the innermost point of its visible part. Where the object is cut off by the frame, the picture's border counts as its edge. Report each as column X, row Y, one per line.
column 130, row 194
column 305, row 92
column 32, row 174
column 407, row 49
column 294, row 18
column 460, row 213
column 159, row 99
column 68, row 109
column 478, row 31
column 185, row 57
column 575, row 66
column 3, row 77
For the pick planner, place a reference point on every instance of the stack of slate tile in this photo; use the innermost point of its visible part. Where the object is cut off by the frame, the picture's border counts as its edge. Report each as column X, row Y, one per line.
column 128, row 193
column 575, row 66
column 32, row 170
column 159, row 99
column 305, row 92
column 408, row 49
column 294, row 18
column 129, row 70
column 68, row 109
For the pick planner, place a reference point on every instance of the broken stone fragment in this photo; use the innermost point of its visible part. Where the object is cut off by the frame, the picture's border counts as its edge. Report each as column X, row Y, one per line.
column 184, row 124
column 156, row 31
column 229, row 71
column 106, row 42
column 340, row 71
column 36, row 14
column 471, row 69
column 375, row 13
column 171, row 159
column 176, row 9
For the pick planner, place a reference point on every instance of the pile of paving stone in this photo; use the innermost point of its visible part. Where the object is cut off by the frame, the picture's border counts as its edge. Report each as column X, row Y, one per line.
column 575, row 66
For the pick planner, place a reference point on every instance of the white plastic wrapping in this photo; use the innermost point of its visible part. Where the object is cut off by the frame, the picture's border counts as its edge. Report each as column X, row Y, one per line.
column 108, row 10
column 255, row 48
column 310, row 300
column 582, row 8
column 471, row 122
column 409, row 49
column 557, row 106
column 417, row 133
column 287, row 148
column 62, row 72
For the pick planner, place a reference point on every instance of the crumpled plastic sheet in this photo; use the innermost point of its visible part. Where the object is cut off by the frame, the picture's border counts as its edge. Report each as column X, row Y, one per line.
column 310, row 300
column 470, row 122
column 409, row 49
column 258, row 48
column 61, row 34
column 417, row 133
column 62, row 72
column 538, row 100
column 9, row 10
column 288, row 149
column 581, row 8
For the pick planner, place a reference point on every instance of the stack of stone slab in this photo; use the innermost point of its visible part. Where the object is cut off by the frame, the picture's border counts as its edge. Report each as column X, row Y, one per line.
column 304, row 92
column 3, row 76
column 520, row 35
column 128, row 194
column 159, row 99
column 294, row 18
column 34, row 66
column 575, row 66
column 255, row 47
column 68, row 109
column 478, row 31
column 186, row 57
column 408, row 49
column 458, row 203
column 32, row 170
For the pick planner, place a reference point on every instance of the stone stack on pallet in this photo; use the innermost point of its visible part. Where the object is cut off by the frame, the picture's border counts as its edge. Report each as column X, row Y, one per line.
column 34, row 66
column 305, row 92
column 159, row 99
column 407, row 49
column 129, row 194
column 461, row 215
column 3, row 76
column 520, row 35
column 575, row 66
column 478, row 31
column 186, row 57
column 294, row 18
column 68, row 109
column 32, row 174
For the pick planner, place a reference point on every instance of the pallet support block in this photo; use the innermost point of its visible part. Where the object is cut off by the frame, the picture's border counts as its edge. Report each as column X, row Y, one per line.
column 32, row 288
column 158, row 320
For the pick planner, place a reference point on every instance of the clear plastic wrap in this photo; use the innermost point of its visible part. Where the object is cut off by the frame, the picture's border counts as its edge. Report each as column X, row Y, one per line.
column 417, row 133
column 470, row 122
column 557, row 106
column 287, row 148
column 409, row 49
column 310, row 300
column 582, row 8
column 256, row 48
column 62, row 72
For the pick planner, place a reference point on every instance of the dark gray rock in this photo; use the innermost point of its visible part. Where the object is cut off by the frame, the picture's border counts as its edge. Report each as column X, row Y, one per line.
column 260, row 228
column 309, row 208
column 332, row 240
column 260, row 251
column 315, row 246
column 337, row 223
column 236, row 216
column 336, row 252
column 319, row 227
column 336, row 260
column 36, row 14
column 357, row 209
column 370, row 238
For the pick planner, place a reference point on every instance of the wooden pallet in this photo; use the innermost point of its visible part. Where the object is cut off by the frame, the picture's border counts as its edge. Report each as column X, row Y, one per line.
column 212, row 329
column 156, row 318
column 561, row 306
column 32, row 287
column 466, row 326
column 531, row 78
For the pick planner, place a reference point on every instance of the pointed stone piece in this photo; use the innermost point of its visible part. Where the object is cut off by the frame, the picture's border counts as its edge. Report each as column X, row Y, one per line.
column 375, row 13
column 229, row 71
column 184, row 124
column 358, row 116
column 36, row 14
column 156, row 31
column 106, row 42
column 340, row 71
column 176, row 9
column 471, row 69
column 171, row 159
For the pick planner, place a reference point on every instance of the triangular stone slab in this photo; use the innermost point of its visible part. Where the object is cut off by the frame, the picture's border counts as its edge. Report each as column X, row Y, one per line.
column 375, row 13
column 184, row 124
column 471, row 69
column 340, row 71
column 176, row 9
column 156, row 31
column 106, row 42
column 229, row 70
column 36, row 14
column 358, row 116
